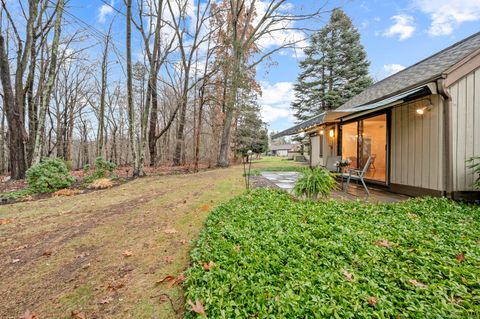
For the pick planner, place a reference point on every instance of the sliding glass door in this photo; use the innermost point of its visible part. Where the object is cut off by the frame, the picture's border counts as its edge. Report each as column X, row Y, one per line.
column 367, row 138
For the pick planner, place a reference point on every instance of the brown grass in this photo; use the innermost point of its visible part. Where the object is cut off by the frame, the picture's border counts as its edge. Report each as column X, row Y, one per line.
column 102, row 183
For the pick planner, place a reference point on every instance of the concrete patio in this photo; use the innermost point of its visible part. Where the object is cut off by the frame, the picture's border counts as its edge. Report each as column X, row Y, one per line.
column 287, row 180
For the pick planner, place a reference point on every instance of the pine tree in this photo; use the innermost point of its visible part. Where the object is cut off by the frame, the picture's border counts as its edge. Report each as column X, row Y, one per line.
column 335, row 68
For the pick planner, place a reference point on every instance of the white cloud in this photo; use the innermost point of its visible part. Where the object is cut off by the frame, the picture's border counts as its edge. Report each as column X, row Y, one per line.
column 390, row 69
column 446, row 15
column 283, row 30
column 403, row 27
column 104, row 11
column 275, row 101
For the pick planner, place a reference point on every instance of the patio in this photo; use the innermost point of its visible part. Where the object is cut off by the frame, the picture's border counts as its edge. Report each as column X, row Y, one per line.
column 287, row 180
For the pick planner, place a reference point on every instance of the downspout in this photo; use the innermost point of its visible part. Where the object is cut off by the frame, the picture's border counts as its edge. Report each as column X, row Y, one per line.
column 447, row 137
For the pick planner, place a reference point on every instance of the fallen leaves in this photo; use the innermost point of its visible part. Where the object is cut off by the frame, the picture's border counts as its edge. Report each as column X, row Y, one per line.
column 30, row 315
column 348, row 276
column 78, row 314
column 4, row 221
column 127, row 253
column 183, row 241
column 101, row 183
column 460, row 257
column 106, row 301
column 170, row 231
column 372, row 301
column 197, row 307
column 66, row 192
column 208, row 266
column 383, row 243
column 168, row 259
column 205, row 208
column 417, row 283
column 172, row 280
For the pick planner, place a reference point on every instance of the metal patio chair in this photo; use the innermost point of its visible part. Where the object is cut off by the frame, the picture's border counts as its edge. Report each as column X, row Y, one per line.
column 330, row 164
column 359, row 174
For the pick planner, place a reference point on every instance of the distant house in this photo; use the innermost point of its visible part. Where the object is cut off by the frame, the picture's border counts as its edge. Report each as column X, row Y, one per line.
column 284, row 149
column 419, row 126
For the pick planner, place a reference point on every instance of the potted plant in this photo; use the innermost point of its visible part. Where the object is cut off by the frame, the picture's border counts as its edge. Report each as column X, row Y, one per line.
column 342, row 164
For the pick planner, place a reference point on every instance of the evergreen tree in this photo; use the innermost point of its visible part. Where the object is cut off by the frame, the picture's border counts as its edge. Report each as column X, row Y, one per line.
column 251, row 133
column 334, row 70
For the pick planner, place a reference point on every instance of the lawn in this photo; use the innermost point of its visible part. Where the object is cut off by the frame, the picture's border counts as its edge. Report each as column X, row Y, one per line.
column 263, row 255
column 102, row 254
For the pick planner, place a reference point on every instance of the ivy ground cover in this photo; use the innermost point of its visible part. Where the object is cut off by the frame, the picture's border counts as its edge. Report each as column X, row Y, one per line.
column 263, row 255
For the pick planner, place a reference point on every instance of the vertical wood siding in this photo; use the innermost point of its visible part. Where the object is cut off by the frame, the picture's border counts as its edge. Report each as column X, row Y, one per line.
column 465, row 128
column 417, row 145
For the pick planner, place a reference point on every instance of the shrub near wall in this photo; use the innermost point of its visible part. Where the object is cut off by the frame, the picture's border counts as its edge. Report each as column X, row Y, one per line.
column 263, row 255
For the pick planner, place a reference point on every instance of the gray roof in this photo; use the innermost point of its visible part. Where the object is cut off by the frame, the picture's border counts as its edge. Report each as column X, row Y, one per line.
column 318, row 119
column 420, row 73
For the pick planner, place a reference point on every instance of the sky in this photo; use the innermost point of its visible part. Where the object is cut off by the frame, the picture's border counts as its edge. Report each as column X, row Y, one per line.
column 395, row 34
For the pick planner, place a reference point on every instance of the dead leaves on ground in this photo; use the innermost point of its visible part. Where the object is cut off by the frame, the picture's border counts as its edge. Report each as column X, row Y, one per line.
column 78, row 314
column 30, row 315
column 417, row 283
column 4, row 221
column 205, row 208
column 348, row 276
column 197, row 307
column 460, row 257
column 66, row 192
column 372, row 301
column 208, row 266
column 383, row 243
column 127, row 253
column 170, row 231
column 172, row 280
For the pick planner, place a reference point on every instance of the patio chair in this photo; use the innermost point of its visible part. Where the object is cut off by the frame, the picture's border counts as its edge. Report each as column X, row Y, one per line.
column 359, row 174
column 330, row 164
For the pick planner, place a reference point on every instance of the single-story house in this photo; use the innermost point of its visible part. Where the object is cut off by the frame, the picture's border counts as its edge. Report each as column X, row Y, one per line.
column 285, row 149
column 419, row 126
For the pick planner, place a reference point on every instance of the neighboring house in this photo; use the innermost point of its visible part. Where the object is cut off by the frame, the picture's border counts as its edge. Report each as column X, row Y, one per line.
column 284, row 149
column 419, row 125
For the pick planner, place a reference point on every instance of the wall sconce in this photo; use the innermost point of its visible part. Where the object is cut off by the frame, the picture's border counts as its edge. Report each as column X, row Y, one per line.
column 322, row 132
column 421, row 110
column 427, row 106
column 332, row 133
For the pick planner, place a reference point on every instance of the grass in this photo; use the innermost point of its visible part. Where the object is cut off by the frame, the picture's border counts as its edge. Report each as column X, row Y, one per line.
column 70, row 249
column 272, row 257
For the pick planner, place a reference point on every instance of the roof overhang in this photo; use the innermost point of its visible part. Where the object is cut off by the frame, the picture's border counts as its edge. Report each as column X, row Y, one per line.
column 349, row 113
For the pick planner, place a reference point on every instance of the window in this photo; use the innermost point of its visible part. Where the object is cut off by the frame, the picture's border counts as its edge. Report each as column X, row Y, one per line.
column 367, row 138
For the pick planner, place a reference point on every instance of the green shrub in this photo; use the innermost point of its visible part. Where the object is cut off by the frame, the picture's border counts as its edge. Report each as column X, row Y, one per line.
column 103, row 169
column 314, row 182
column 272, row 257
column 48, row 176
column 474, row 164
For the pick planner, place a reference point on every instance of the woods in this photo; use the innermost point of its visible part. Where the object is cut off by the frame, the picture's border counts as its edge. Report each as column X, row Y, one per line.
column 162, row 83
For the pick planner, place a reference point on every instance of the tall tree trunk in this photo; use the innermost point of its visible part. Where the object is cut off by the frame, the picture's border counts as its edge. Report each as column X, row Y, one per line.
column 2, row 142
column 37, row 152
column 131, row 111
column 15, row 118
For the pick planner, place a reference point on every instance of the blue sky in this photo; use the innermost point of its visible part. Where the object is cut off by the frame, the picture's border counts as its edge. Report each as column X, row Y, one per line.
column 395, row 34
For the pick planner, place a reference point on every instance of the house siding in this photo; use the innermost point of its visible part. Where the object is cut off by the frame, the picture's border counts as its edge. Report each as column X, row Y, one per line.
column 465, row 95
column 417, row 145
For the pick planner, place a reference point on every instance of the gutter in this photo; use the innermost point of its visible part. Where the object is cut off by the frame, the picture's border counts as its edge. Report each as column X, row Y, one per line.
column 447, row 136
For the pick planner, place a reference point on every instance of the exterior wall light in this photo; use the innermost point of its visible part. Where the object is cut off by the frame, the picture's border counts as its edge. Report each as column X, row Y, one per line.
column 322, row 132
column 332, row 133
column 421, row 111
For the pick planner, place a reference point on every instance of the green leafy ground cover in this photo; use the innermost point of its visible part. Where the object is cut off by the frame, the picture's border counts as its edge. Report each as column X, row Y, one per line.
column 263, row 255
